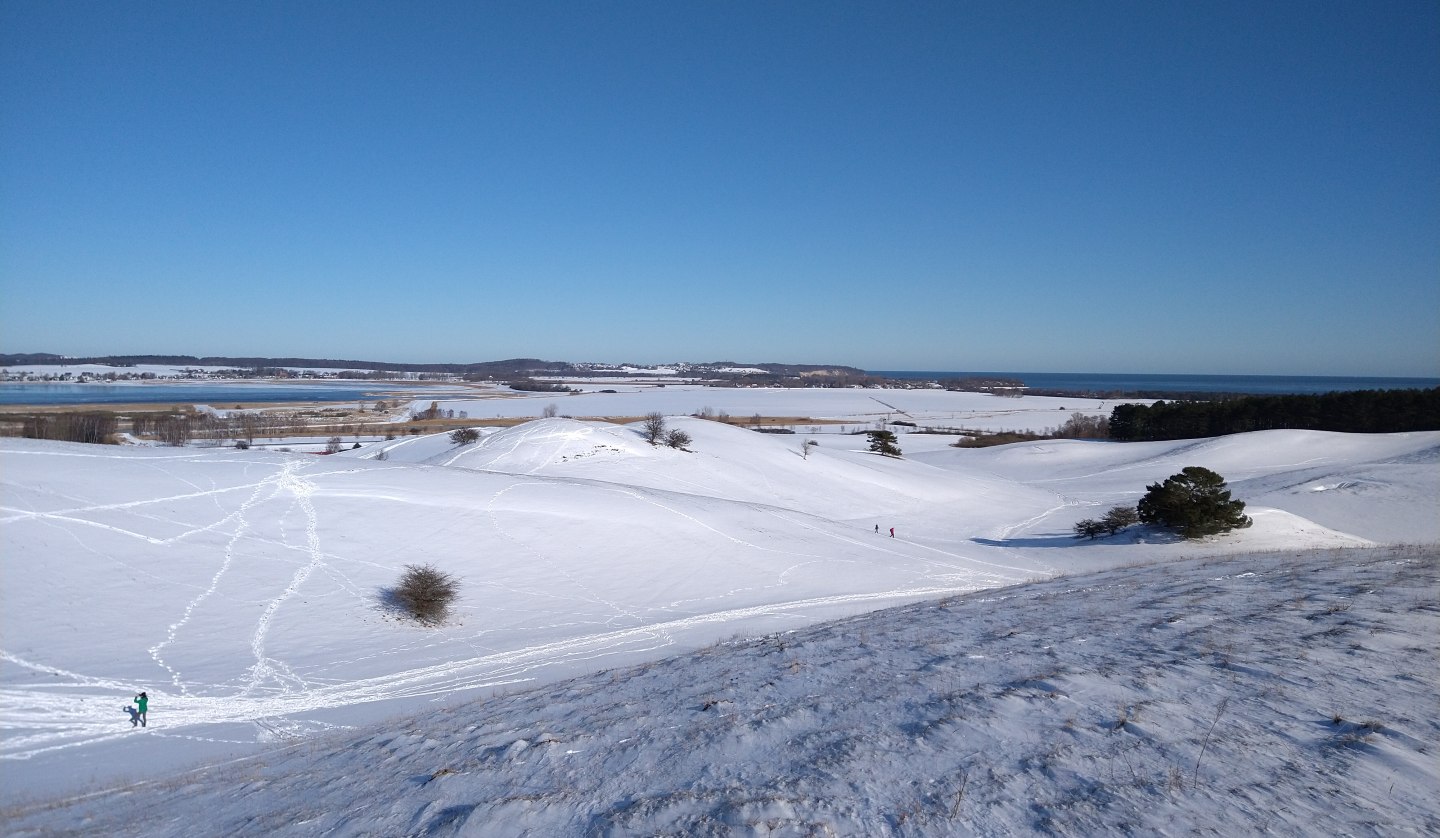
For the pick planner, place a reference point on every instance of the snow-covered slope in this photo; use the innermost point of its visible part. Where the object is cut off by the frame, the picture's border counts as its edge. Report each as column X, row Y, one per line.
column 838, row 477
column 244, row 589
column 1278, row 694
column 1382, row 487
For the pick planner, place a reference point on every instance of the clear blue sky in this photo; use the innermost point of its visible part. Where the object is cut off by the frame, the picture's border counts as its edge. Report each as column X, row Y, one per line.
column 1201, row 187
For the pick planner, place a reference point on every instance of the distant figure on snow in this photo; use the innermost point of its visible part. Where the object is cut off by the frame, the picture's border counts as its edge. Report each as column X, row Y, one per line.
column 134, row 715
column 892, row 532
column 877, row 529
column 140, row 701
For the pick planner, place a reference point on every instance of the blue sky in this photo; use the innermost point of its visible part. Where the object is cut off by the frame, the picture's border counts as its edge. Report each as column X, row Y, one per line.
column 1124, row 187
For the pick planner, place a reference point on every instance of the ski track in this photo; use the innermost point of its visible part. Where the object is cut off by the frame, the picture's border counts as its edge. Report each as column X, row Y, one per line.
column 239, row 516
column 72, row 719
column 78, row 710
column 266, row 669
column 67, row 710
column 69, row 719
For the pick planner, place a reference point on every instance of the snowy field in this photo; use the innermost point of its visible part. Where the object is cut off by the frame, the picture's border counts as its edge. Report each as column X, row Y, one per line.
column 853, row 408
column 839, row 410
column 243, row 590
column 1284, row 693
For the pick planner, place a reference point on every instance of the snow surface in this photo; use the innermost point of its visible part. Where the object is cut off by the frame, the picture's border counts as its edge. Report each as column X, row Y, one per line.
column 244, row 591
column 855, row 407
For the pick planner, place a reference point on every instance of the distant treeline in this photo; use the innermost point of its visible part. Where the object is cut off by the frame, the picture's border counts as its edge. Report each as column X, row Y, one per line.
column 1358, row 411
column 1012, row 387
column 496, row 368
column 813, row 375
column 94, row 428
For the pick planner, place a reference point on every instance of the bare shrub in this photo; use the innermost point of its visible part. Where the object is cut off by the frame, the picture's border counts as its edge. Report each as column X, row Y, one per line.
column 426, row 593
column 1118, row 518
column 677, row 439
column 654, row 428
column 464, row 436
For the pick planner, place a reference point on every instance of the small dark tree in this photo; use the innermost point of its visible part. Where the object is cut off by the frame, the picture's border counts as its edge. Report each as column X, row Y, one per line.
column 1194, row 503
column 1088, row 528
column 464, row 436
column 1118, row 518
column 677, row 439
column 654, row 428
column 883, row 442
column 426, row 593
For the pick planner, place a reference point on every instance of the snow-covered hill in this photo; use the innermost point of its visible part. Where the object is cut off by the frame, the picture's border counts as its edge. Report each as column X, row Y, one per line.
column 1281, row 694
column 837, row 478
column 244, row 589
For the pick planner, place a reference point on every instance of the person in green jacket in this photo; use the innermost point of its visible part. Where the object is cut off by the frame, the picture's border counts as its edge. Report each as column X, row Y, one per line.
column 140, row 701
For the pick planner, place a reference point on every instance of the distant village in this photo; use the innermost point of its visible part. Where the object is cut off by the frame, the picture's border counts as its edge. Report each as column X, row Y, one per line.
column 62, row 376
column 519, row 373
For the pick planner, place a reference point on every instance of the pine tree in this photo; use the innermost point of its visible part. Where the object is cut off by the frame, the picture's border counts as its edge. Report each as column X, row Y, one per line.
column 883, row 442
column 1194, row 503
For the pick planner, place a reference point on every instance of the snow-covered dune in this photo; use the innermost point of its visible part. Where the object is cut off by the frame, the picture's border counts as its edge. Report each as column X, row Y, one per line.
column 838, row 477
column 244, row 589
column 1382, row 487
column 1278, row 694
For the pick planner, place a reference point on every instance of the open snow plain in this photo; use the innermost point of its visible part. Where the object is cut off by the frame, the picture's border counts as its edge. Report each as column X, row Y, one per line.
column 244, row 590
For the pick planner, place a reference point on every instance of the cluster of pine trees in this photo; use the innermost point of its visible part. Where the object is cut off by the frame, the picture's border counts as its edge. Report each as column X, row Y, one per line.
column 1359, row 411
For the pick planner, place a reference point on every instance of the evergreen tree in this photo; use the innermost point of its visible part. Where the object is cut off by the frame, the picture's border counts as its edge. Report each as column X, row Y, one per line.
column 1194, row 503
column 883, row 442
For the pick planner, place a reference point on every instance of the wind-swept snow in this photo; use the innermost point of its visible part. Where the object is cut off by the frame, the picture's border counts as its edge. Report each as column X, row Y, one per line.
column 1282, row 693
column 244, row 590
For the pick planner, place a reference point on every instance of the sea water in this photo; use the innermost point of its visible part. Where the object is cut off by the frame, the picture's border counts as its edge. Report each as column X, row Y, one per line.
column 1159, row 382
